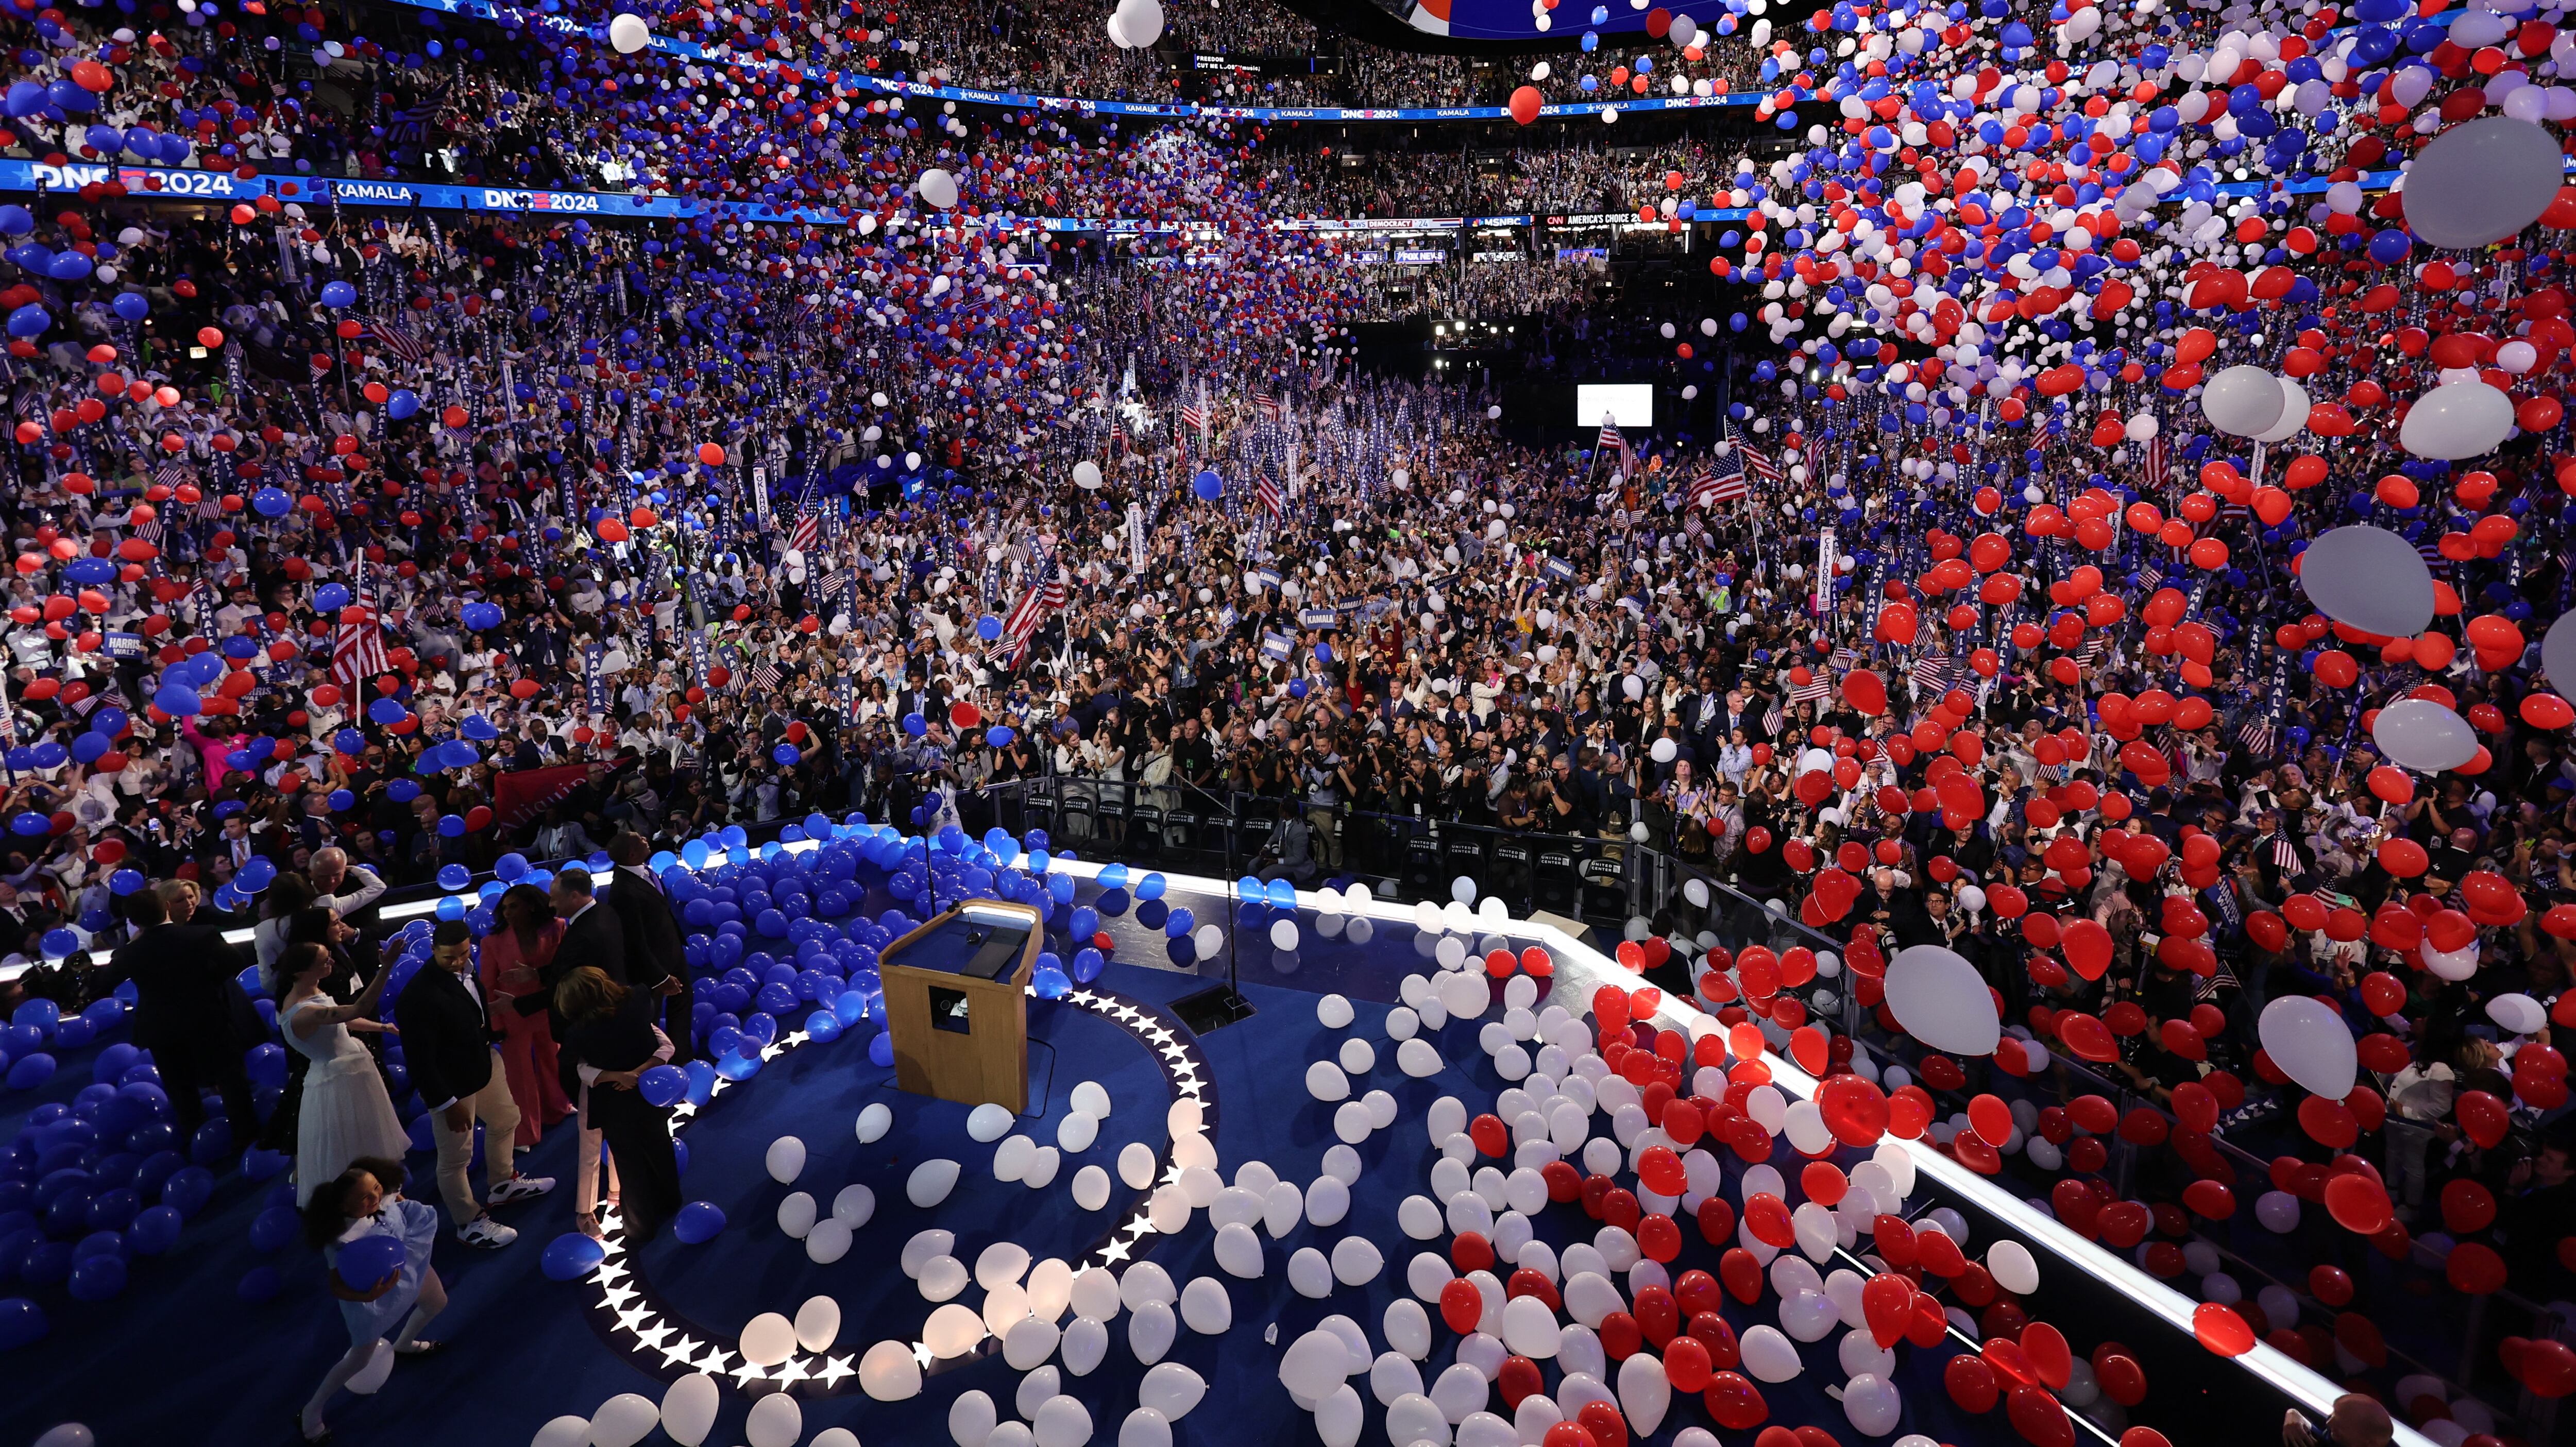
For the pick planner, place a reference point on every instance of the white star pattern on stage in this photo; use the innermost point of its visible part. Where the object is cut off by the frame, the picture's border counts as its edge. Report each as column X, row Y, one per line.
column 634, row 1313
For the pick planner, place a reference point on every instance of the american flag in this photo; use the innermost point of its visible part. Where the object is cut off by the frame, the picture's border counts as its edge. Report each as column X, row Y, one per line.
column 411, row 123
column 1194, row 416
column 1815, row 459
column 1042, row 600
column 2156, row 463
column 1713, row 488
column 1611, row 437
column 808, row 532
column 764, row 675
column 392, row 338
column 1268, row 402
column 1815, row 688
column 1272, row 501
column 1938, row 674
column 358, row 650
column 1759, row 463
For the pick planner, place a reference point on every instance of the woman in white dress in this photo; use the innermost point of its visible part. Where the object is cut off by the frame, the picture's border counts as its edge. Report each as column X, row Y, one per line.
column 346, row 1114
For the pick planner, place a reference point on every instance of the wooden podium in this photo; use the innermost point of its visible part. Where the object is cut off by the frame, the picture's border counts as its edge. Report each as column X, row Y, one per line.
column 957, row 1003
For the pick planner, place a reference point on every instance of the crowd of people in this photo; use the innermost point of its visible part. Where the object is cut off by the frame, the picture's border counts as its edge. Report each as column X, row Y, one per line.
column 360, row 549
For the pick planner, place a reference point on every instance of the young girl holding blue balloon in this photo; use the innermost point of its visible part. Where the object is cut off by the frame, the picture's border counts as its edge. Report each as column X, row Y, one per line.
column 376, row 1242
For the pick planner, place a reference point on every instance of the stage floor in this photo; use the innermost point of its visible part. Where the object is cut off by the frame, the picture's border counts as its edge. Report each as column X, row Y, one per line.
column 162, row 1360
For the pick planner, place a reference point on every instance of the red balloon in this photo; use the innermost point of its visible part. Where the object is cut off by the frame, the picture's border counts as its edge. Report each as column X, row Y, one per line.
column 1735, row 1402
column 1462, row 1306
column 2038, row 1417
column 1887, row 1304
column 2220, row 1329
column 1971, row 1383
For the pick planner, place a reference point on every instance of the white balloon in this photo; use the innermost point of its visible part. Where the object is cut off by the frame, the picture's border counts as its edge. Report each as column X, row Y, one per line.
column 623, row 1420
column 1145, row 1427
column 2242, row 400
column 1091, row 1188
column 2457, row 420
column 2310, row 1043
column 971, row 1419
column 561, row 1432
column 827, row 1242
column 2423, row 735
column 2481, row 181
column 1061, row 1421
column 1871, row 1403
column 2013, row 1268
column 1077, row 1132
column 855, row 1206
column 930, row 1183
column 939, row 188
column 768, row 1339
column 1315, row 1364
column 776, row 1421
column 818, row 1323
column 1141, row 21
column 1171, row 1389
column 2369, row 578
column 1151, row 1330
column 1206, row 1308
column 2294, row 419
column 689, row 1408
column 988, row 1123
column 2278, row 1211
column 1769, row 1356
column 796, row 1214
column 1645, row 1394
column 1941, row 1000
column 874, row 1122
column 1086, row 474
column 888, row 1373
column 1085, row 1346
column 954, row 1330
column 629, row 34
column 2518, row 1014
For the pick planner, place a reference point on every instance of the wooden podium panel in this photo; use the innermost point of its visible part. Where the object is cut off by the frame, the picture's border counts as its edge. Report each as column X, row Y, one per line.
column 957, row 1003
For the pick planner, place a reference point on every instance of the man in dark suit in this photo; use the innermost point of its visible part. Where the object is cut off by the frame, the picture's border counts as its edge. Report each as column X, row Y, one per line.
column 448, row 1046
column 592, row 935
column 657, row 956
column 190, row 1012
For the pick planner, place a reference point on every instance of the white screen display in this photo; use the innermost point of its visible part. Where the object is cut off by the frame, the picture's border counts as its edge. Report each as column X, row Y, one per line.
column 1629, row 404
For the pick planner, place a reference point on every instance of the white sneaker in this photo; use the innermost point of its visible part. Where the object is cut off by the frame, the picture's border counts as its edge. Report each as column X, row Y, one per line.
column 486, row 1233
column 519, row 1188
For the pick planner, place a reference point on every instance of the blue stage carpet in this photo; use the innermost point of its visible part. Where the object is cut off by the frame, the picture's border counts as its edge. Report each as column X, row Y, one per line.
column 167, row 1357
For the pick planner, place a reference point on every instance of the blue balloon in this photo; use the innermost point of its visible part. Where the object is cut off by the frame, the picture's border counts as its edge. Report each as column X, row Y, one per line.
column 455, row 876
column 881, row 1049
column 1150, row 887
column 337, row 294
column 663, row 1085
column 1179, row 922
column 698, row 1223
column 1208, row 485
column 155, row 1229
column 988, row 628
column 275, row 1227
column 97, row 1278
column 132, row 305
column 368, row 1260
column 571, row 1256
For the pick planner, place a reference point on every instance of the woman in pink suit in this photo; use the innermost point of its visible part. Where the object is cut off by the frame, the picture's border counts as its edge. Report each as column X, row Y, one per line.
column 512, row 955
